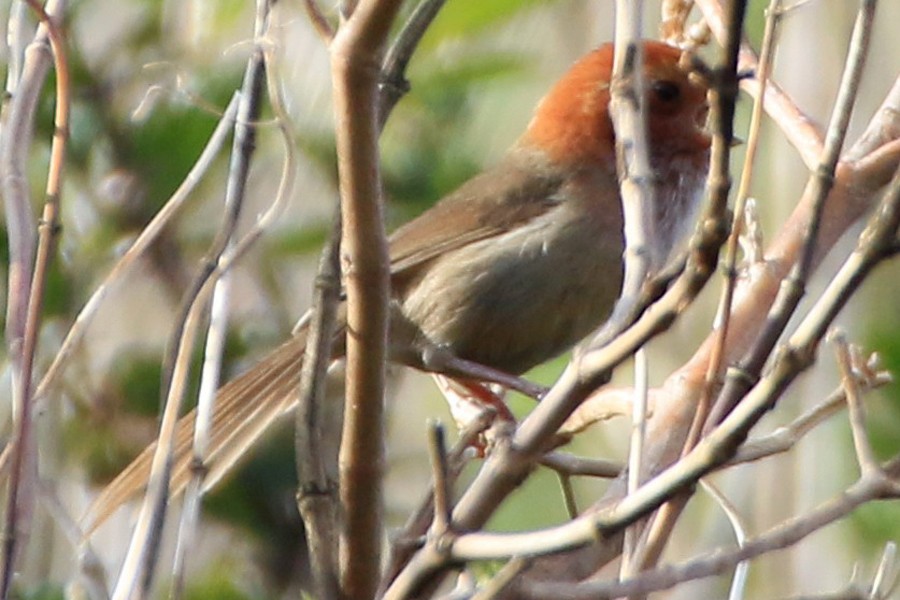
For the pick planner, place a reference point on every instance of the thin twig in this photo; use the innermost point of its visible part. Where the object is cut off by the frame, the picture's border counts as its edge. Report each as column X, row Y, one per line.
column 865, row 456
column 739, row 580
column 885, row 579
column 393, row 82
column 819, row 185
column 210, row 375
column 316, row 494
column 137, row 570
column 723, row 311
column 140, row 245
column 440, row 477
column 18, row 129
column 718, row 561
column 319, row 22
column 566, row 464
column 784, row 438
column 20, row 498
column 418, row 522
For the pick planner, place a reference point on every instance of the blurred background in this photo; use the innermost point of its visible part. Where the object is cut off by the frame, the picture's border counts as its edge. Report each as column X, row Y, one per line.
column 148, row 77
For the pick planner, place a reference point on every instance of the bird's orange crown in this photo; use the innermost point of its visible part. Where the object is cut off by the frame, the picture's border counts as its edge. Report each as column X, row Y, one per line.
column 572, row 125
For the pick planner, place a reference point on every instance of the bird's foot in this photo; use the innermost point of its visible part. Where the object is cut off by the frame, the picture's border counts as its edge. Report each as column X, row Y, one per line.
column 468, row 400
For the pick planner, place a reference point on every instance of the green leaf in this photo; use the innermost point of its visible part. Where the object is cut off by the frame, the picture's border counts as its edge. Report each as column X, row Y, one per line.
column 466, row 18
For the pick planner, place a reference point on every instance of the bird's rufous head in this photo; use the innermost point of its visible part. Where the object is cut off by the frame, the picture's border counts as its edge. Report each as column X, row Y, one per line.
column 572, row 124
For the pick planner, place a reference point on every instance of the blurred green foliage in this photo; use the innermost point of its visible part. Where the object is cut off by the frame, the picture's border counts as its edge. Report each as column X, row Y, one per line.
column 131, row 391
column 467, row 20
column 421, row 161
column 878, row 523
column 44, row 591
column 219, row 584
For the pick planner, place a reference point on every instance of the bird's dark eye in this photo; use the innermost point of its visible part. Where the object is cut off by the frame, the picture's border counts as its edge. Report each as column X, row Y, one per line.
column 666, row 91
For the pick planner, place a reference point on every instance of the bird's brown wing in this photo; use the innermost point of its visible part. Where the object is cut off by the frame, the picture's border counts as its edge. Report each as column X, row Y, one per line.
column 487, row 205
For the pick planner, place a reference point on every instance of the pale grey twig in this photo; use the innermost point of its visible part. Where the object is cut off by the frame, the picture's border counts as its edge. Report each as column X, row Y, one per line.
column 22, row 480
column 739, row 579
column 136, row 573
column 210, row 376
column 820, row 185
column 781, row 536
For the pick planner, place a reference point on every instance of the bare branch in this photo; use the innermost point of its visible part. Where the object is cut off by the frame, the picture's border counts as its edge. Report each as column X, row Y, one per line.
column 440, row 476
column 136, row 574
column 355, row 60
column 786, row 437
column 20, row 499
column 781, row 536
column 393, row 72
column 857, row 416
column 566, row 464
column 318, row 20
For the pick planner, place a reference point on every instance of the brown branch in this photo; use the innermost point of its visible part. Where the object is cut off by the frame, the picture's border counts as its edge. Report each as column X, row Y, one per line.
column 355, row 61
column 440, row 475
column 316, row 497
column 319, row 21
column 20, row 498
column 316, row 500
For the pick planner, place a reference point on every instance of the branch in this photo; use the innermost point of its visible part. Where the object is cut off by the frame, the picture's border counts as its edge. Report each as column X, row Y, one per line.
column 818, row 188
column 800, row 130
column 355, row 63
column 20, row 499
column 393, row 81
column 719, row 561
column 137, row 570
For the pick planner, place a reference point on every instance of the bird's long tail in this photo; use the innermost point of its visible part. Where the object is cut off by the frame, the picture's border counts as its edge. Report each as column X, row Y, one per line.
column 244, row 409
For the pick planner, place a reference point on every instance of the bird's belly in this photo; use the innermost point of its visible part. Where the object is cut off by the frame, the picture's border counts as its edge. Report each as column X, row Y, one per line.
column 518, row 299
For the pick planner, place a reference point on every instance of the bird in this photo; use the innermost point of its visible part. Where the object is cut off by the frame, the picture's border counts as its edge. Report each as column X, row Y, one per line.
column 513, row 268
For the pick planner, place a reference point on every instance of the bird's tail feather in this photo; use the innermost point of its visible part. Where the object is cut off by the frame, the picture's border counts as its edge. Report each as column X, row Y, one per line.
column 244, row 409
